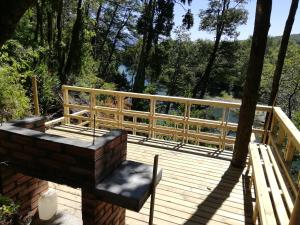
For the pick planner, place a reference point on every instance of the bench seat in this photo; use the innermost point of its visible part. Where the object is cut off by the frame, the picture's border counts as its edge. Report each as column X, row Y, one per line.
column 274, row 203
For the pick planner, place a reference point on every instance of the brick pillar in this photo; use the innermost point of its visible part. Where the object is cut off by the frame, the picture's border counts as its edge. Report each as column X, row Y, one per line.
column 95, row 212
column 24, row 190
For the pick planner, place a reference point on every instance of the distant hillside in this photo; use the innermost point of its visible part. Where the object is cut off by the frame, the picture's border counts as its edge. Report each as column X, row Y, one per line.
column 294, row 37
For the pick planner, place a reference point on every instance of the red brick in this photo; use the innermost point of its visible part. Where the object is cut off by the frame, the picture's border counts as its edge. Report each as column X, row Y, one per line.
column 22, row 156
column 3, row 150
column 29, row 189
column 63, row 158
column 49, row 145
column 51, row 164
column 81, row 172
column 23, row 179
column 80, row 152
column 8, row 187
column 39, row 190
column 24, row 140
column 11, row 146
column 14, row 191
column 12, row 178
column 31, row 150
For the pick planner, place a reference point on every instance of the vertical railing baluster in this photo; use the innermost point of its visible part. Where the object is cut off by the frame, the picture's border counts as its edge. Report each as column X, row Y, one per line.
column 186, row 116
column 272, row 126
column 198, row 129
column 151, row 118
column 92, row 108
column 66, row 108
column 134, row 125
column 289, row 151
column 225, row 119
column 120, row 110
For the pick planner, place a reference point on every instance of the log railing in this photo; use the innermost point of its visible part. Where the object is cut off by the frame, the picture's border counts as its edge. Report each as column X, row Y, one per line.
column 112, row 109
column 284, row 138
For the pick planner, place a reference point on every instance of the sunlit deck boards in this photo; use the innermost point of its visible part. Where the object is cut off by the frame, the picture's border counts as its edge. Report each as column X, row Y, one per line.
column 198, row 186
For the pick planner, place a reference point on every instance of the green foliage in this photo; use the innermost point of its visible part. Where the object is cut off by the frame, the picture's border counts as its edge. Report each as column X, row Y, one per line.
column 8, row 209
column 13, row 99
column 289, row 92
column 224, row 16
column 296, row 119
column 114, row 34
column 48, row 88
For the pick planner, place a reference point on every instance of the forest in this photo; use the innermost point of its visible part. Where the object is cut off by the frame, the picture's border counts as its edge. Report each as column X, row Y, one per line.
column 133, row 45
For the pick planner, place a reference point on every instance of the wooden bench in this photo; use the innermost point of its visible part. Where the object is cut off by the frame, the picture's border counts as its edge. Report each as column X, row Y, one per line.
column 274, row 203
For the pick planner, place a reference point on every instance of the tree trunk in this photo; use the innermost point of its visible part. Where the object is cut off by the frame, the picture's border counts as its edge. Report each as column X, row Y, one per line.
column 49, row 27
column 60, row 57
column 107, row 32
column 203, row 81
column 11, row 12
column 139, row 82
column 95, row 38
column 282, row 51
column 38, row 18
column 251, row 87
column 73, row 64
column 42, row 7
column 113, row 49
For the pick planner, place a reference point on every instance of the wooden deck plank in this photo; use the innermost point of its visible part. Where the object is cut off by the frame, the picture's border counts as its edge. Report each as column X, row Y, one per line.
column 197, row 186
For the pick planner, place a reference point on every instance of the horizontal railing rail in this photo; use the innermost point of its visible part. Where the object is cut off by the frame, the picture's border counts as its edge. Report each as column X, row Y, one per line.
column 284, row 138
column 113, row 109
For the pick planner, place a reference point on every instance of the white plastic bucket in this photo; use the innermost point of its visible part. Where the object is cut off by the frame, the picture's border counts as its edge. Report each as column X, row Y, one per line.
column 47, row 204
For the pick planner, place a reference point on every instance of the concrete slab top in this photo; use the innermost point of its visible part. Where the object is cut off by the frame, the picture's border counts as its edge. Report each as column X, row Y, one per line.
column 129, row 185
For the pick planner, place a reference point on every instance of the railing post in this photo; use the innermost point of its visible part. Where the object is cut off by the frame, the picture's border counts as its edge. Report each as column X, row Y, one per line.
column 272, row 126
column 224, row 127
column 120, row 110
column 92, row 108
column 152, row 121
column 134, row 127
column 66, row 108
column 295, row 217
column 186, row 127
column 289, row 151
column 35, row 96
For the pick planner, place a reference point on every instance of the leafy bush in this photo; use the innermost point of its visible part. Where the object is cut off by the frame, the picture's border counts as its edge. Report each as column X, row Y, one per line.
column 13, row 99
column 8, row 211
column 296, row 119
column 48, row 88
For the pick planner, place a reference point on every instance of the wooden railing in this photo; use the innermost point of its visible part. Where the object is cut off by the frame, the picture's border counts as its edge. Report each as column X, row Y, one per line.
column 284, row 138
column 112, row 109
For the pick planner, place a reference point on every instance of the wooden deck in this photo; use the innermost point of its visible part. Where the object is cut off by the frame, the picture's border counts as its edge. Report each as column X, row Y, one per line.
column 198, row 185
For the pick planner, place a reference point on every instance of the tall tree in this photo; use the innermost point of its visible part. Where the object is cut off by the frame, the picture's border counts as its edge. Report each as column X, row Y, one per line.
column 73, row 63
column 282, row 51
column 11, row 12
column 251, row 87
column 155, row 21
column 222, row 17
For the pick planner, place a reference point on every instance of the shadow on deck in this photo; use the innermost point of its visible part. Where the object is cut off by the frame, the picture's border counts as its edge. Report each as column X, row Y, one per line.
column 198, row 185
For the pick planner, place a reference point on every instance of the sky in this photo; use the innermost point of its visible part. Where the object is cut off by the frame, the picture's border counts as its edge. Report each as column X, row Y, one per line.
column 280, row 10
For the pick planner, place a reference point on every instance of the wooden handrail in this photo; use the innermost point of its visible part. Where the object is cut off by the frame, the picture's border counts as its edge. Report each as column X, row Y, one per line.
column 284, row 138
column 204, row 102
column 182, row 128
